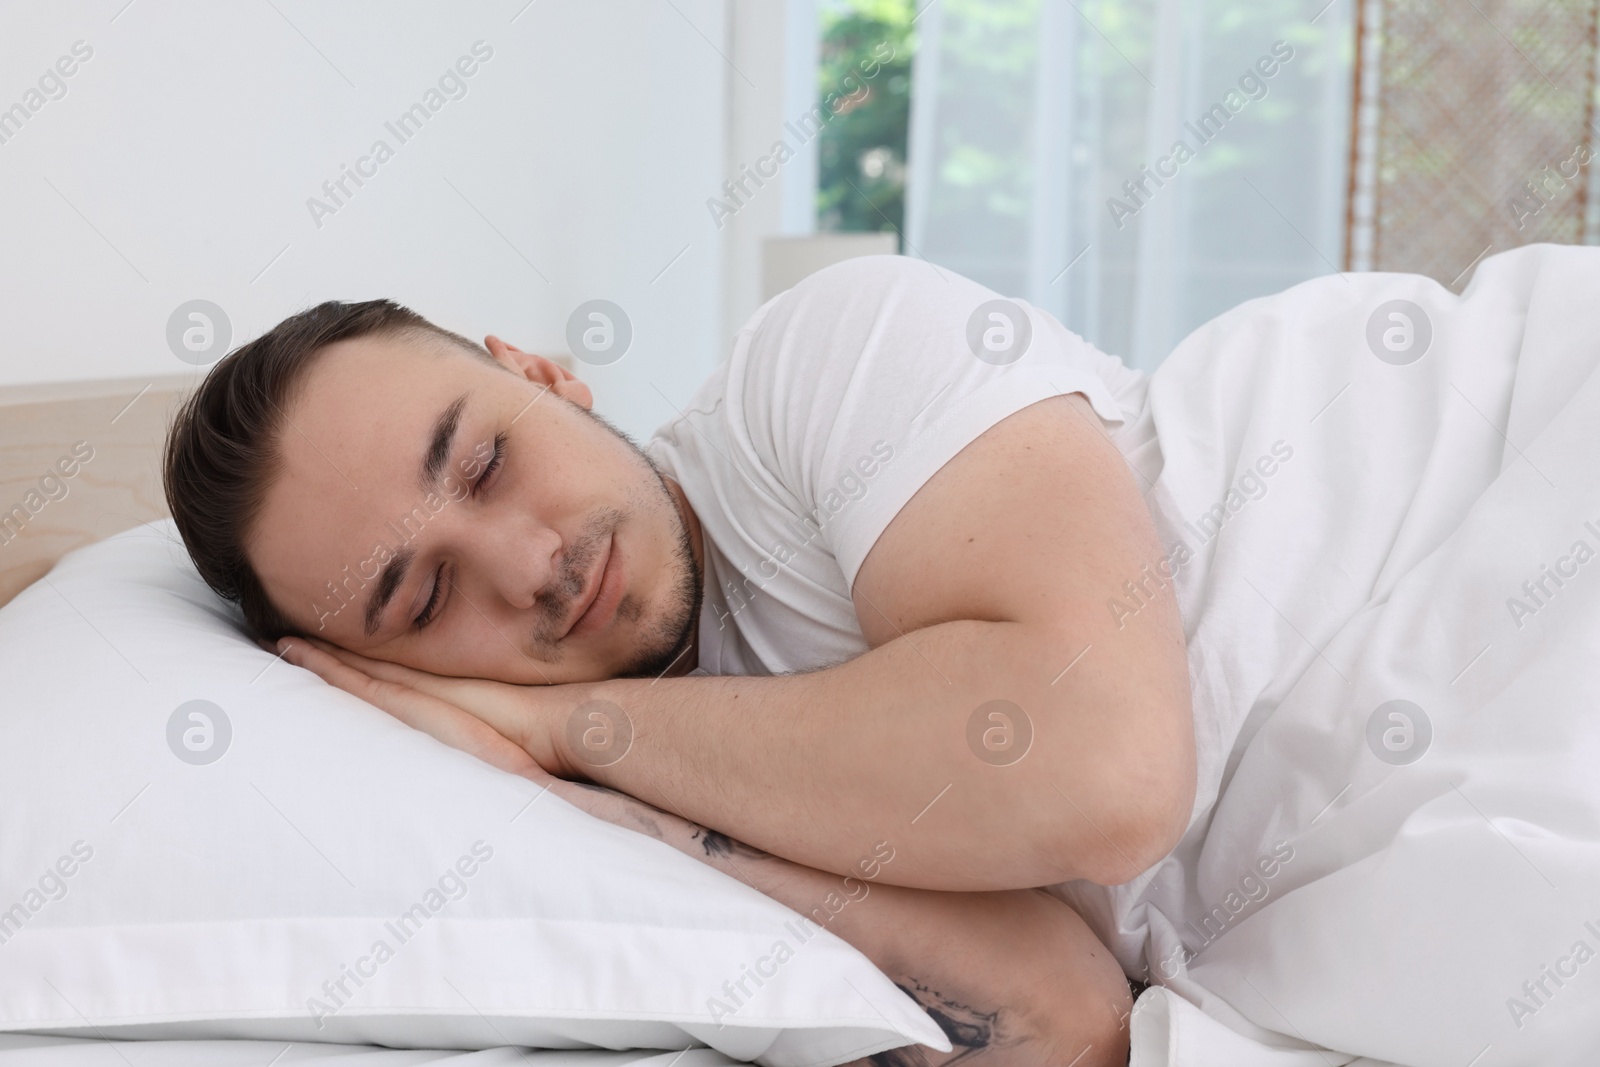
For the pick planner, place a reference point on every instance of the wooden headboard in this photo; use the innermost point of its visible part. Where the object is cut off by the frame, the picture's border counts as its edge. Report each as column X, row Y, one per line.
column 45, row 432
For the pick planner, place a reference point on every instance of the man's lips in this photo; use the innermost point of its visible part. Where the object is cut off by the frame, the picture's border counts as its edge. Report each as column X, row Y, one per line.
column 598, row 604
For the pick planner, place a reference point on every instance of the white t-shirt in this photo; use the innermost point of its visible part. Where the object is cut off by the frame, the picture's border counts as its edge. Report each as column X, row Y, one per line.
column 841, row 398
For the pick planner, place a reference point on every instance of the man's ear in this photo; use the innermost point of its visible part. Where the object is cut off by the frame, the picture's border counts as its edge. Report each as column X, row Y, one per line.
column 541, row 371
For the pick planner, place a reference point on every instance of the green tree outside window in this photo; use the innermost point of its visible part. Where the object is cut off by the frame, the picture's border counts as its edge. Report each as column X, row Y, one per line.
column 861, row 179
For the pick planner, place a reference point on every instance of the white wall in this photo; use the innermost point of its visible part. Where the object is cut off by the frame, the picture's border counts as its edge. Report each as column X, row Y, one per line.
column 771, row 85
column 179, row 162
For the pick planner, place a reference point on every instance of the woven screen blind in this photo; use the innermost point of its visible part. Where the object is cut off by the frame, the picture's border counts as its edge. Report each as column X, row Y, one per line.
column 1473, row 131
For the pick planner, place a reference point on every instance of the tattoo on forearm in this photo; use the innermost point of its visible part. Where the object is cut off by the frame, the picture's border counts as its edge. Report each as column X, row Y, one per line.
column 971, row 1031
column 643, row 823
column 721, row 846
column 636, row 815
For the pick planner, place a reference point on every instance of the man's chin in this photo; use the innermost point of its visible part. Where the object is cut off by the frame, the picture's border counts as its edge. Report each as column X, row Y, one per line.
column 662, row 648
column 656, row 664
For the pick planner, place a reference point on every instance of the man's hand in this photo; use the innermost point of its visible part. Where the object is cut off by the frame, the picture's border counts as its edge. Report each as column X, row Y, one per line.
column 508, row 726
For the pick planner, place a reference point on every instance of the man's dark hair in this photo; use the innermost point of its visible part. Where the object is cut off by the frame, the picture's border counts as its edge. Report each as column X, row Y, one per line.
column 222, row 451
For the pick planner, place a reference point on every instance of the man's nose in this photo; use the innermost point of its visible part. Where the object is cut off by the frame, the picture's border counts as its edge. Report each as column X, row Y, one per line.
column 519, row 562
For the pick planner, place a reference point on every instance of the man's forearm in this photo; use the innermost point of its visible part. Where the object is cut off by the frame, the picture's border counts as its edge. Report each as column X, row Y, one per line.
column 818, row 767
column 1015, row 979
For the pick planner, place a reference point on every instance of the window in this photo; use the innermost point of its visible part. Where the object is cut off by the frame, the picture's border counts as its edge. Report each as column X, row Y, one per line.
column 864, row 79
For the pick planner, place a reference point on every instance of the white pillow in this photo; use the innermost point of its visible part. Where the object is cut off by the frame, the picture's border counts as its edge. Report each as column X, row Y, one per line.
column 144, row 893
column 27, row 1050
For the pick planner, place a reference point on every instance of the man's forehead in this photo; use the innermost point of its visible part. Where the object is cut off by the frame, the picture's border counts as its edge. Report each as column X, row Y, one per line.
column 398, row 366
column 367, row 395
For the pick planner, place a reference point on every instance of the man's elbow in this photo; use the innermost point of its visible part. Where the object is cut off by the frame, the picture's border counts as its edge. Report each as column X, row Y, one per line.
column 1149, row 838
column 1136, row 824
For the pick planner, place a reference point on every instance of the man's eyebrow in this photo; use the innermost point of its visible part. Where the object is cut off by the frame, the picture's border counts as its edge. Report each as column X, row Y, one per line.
column 389, row 579
column 439, row 444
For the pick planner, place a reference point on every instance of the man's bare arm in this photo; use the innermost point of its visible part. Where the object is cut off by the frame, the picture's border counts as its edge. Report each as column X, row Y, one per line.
column 1014, row 979
column 987, row 595
column 990, row 585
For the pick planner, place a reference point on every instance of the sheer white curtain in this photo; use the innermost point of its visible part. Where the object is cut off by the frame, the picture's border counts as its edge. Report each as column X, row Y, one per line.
column 1045, row 159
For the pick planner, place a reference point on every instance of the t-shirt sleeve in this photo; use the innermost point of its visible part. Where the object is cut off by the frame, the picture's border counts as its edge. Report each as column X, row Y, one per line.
column 853, row 388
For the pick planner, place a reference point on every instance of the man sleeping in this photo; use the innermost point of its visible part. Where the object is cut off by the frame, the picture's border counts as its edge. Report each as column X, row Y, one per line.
column 840, row 630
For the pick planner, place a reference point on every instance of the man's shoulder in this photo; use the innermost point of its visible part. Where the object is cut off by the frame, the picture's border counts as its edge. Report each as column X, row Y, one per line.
column 856, row 326
column 870, row 266
column 829, row 317
column 863, row 273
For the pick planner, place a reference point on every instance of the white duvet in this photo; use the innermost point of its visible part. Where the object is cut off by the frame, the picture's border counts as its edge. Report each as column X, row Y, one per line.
column 1414, row 882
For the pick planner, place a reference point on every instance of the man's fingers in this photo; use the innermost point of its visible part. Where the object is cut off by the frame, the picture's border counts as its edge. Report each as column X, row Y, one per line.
column 377, row 668
column 505, row 708
column 446, row 689
column 438, row 718
column 331, row 669
column 417, row 710
column 472, row 735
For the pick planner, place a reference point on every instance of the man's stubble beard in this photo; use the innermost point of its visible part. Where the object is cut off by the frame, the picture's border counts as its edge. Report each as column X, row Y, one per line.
column 669, row 637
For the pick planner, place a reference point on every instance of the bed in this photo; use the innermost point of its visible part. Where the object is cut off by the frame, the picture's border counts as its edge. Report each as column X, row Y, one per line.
column 1379, row 489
